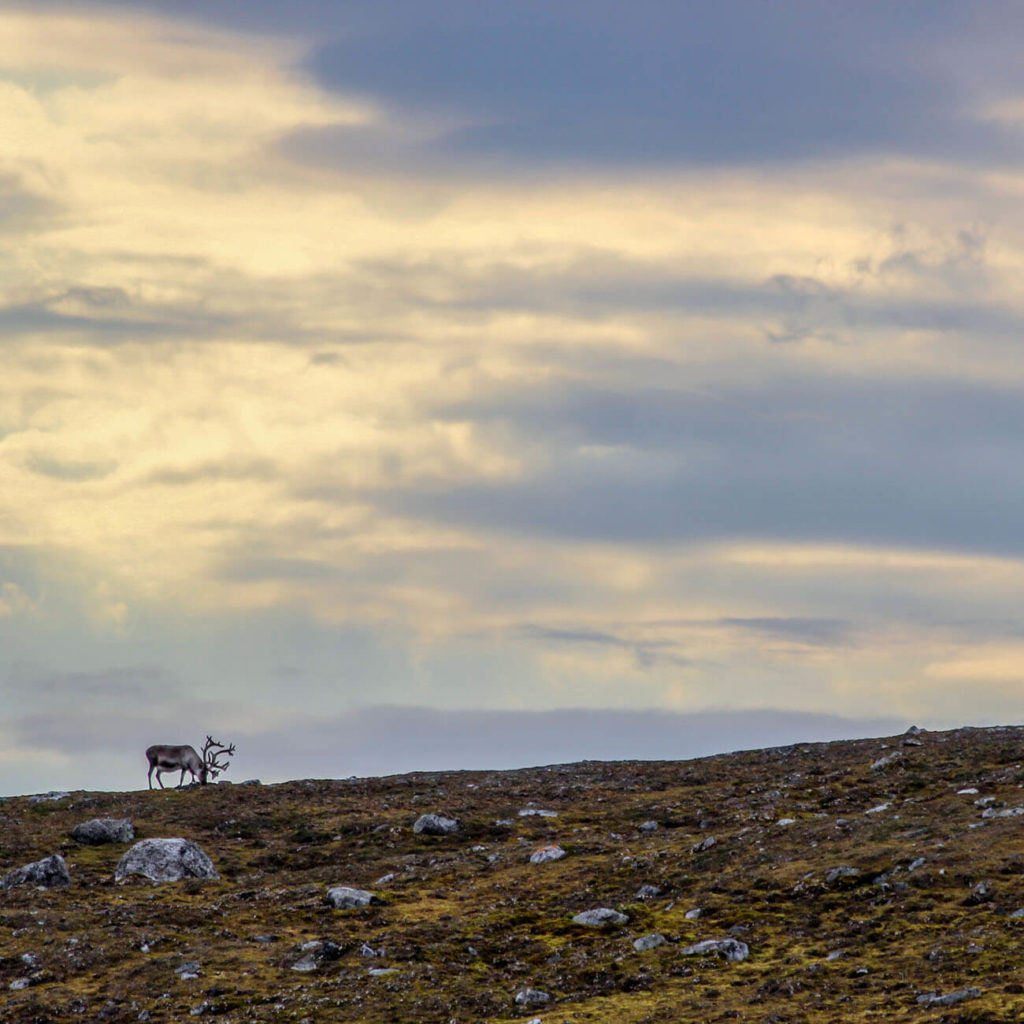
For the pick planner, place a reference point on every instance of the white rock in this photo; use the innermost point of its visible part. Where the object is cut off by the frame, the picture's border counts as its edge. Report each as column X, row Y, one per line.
column 646, row 942
column 532, row 997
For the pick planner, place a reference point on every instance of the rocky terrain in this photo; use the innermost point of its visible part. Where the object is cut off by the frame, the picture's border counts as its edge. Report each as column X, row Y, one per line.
column 865, row 880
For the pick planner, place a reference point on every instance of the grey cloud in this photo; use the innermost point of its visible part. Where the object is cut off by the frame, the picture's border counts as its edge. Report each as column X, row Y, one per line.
column 222, row 469
column 71, row 471
column 646, row 653
column 818, row 632
column 20, row 207
column 917, row 463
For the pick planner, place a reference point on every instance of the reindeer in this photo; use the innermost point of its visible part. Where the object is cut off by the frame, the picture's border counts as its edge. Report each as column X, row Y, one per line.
column 165, row 758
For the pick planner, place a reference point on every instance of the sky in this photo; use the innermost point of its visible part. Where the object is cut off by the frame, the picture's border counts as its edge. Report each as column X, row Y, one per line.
column 391, row 386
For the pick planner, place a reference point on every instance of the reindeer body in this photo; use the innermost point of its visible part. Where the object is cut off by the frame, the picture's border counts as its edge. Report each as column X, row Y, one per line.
column 165, row 758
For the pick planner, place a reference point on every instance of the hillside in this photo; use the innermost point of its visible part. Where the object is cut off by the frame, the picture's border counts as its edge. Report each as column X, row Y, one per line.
column 864, row 883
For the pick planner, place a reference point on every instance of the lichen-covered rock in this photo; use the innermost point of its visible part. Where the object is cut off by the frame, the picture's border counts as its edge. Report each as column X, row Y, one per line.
column 165, row 860
column 104, row 830
column 648, row 892
column 646, row 942
column 343, row 897
column 732, row 949
column 600, row 916
column 50, row 873
column 435, row 825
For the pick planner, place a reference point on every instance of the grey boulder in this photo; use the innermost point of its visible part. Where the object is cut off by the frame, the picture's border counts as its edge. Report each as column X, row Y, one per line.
column 600, row 916
column 50, row 873
column 435, row 825
column 104, row 830
column 165, row 860
column 732, row 949
column 343, row 897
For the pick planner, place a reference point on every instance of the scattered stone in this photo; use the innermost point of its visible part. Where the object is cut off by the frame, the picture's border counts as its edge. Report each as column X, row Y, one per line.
column 103, row 830
column 915, row 864
column 648, row 826
column 49, row 873
column 264, row 938
column 42, row 798
column 970, row 791
column 532, row 997
column 342, row 897
column 1002, row 812
column 984, row 801
column 878, row 809
column 704, row 844
column 435, row 825
column 165, row 860
column 600, row 916
column 318, row 952
column 20, row 983
column 384, row 879
column 786, row 821
column 546, row 853
column 833, row 875
column 694, row 914
column 531, row 812
column 377, row 972
column 950, row 998
column 884, row 762
column 189, row 970
column 648, row 892
column 646, row 942
column 732, row 949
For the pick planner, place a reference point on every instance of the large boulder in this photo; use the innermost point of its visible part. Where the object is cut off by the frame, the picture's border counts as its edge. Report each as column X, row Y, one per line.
column 50, row 873
column 104, row 830
column 165, row 860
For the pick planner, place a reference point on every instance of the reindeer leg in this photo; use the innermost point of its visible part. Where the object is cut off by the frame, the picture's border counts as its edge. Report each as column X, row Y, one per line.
column 149, row 777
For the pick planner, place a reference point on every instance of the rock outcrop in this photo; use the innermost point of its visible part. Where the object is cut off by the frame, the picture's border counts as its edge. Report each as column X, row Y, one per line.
column 104, row 830
column 48, row 873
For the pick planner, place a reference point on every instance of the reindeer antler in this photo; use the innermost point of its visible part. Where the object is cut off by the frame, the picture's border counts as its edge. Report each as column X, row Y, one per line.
column 212, row 750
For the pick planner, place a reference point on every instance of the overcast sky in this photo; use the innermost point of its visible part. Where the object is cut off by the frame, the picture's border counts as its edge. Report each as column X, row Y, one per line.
column 382, row 382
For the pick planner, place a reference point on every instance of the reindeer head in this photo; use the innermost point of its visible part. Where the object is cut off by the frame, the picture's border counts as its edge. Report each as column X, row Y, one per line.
column 212, row 750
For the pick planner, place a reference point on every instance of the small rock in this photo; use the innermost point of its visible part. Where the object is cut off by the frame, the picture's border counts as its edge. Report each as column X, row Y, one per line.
column 878, row 809
column 530, row 812
column 189, row 967
column 20, row 983
column 600, row 916
column 103, row 830
column 884, row 762
column 915, row 864
column 704, row 844
column 833, row 875
column 646, row 942
column 732, row 949
column 970, row 791
column 307, row 963
column 950, row 999
column 384, row 879
column 648, row 892
column 1002, row 812
column 546, row 853
column 50, row 873
column 1018, row 913
column 378, row 972
column 42, row 798
column 532, row 997
column 694, row 914
column 342, row 897
column 648, row 826
column 165, row 860
column 435, row 825
column 786, row 821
